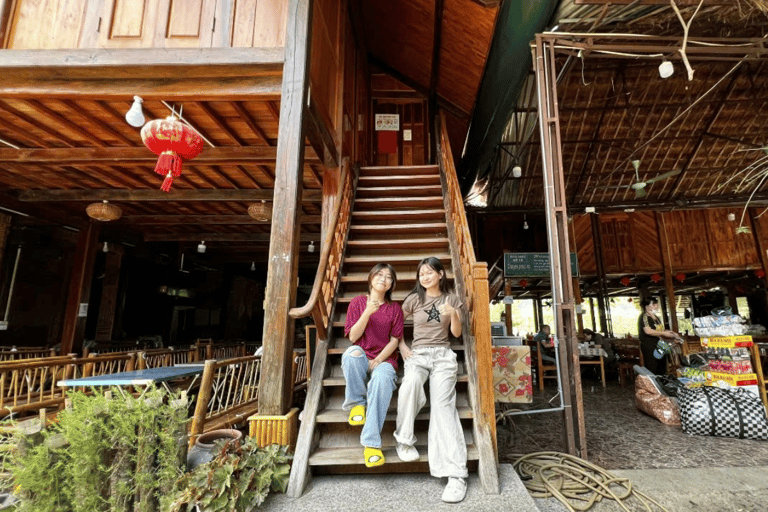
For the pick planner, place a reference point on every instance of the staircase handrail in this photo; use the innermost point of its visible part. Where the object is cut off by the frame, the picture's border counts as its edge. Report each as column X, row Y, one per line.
column 471, row 281
column 326, row 278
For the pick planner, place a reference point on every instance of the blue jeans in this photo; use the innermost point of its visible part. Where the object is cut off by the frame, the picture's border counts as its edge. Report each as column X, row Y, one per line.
column 375, row 397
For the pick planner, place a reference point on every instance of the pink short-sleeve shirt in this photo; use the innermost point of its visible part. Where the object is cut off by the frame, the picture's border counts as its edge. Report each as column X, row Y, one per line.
column 385, row 323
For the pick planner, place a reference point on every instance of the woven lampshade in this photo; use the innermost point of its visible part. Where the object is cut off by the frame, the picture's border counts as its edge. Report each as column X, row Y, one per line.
column 103, row 211
column 260, row 211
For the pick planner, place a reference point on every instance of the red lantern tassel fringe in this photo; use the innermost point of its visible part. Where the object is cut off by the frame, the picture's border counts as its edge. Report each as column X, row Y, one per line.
column 168, row 162
column 167, row 182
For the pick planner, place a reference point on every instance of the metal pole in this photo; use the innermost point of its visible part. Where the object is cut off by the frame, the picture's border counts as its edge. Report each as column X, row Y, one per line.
column 13, row 282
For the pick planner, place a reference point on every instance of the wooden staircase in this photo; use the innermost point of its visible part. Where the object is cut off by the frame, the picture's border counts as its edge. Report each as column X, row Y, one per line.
column 397, row 215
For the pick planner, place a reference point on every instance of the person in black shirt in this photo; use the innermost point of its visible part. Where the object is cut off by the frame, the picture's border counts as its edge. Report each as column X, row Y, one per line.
column 545, row 345
column 650, row 329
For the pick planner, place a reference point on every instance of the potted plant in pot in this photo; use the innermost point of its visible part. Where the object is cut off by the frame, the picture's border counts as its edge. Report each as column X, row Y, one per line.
column 237, row 479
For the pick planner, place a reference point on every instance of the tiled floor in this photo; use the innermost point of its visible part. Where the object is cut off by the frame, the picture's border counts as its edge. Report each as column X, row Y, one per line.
column 621, row 437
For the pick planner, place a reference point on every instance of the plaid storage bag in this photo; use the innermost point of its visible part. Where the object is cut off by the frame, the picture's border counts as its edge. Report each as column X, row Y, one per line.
column 712, row 411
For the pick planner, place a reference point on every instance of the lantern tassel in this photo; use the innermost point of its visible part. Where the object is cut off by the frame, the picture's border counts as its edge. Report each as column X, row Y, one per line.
column 167, row 182
column 168, row 161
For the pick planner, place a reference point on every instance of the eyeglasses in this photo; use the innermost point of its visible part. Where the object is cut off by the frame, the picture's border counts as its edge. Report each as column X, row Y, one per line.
column 382, row 275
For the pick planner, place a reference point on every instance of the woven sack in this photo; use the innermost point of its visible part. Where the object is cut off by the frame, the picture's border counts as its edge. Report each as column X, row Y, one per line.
column 653, row 402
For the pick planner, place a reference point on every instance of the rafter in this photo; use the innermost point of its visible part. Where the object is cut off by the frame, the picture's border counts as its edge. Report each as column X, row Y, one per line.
column 177, row 220
column 156, row 195
column 220, row 237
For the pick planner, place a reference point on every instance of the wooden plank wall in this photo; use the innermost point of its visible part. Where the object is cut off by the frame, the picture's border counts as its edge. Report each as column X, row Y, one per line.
column 697, row 239
column 51, row 24
column 327, row 62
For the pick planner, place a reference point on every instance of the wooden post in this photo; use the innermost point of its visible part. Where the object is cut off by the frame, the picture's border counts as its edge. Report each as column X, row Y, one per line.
column 5, row 227
column 577, row 302
column 276, row 388
column 602, row 298
column 79, row 289
column 592, row 313
column 762, row 250
column 667, row 262
column 108, row 303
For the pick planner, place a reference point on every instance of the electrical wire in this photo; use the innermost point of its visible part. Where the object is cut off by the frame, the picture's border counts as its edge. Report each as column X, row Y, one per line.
column 577, row 483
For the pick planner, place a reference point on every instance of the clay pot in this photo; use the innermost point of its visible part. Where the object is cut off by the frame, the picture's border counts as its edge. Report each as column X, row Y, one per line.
column 205, row 447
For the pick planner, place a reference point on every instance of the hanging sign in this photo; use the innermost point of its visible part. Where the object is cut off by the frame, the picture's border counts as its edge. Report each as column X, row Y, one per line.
column 387, row 122
column 532, row 264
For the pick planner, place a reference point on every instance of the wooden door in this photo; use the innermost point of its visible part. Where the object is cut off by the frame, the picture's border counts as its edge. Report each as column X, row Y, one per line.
column 412, row 135
column 157, row 23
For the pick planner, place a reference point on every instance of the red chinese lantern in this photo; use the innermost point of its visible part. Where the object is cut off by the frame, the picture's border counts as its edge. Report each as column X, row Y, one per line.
column 760, row 273
column 680, row 277
column 655, row 278
column 625, row 280
column 174, row 142
column 523, row 283
column 630, row 300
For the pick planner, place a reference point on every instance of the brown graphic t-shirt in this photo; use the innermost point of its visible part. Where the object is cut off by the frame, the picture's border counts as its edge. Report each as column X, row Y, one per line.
column 430, row 327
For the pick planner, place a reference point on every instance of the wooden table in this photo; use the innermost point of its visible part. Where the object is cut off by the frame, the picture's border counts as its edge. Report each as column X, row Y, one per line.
column 596, row 351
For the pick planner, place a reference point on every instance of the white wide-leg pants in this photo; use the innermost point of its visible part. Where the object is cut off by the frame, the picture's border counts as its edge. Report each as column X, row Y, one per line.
column 447, row 448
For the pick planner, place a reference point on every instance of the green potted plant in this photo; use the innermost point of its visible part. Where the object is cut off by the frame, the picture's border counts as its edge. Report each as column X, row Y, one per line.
column 237, row 479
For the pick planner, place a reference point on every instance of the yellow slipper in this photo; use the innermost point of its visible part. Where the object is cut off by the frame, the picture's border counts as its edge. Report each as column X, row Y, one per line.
column 357, row 415
column 373, row 457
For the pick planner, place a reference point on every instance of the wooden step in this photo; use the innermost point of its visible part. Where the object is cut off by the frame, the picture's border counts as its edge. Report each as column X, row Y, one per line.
column 394, row 191
column 340, row 381
column 386, row 170
column 354, row 456
column 397, row 229
column 391, row 216
column 398, row 180
column 362, row 277
column 342, row 416
column 398, row 243
column 401, row 203
column 404, row 258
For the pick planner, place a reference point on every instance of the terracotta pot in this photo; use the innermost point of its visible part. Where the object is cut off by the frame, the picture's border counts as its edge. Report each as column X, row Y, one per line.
column 205, row 447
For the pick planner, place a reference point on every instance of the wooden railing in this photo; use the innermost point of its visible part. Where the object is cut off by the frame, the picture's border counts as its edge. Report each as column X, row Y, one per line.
column 30, row 385
column 229, row 393
column 321, row 301
column 14, row 354
column 156, row 358
column 471, row 281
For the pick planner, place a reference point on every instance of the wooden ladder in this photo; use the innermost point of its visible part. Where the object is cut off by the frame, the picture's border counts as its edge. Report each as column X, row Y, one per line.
column 398, row 217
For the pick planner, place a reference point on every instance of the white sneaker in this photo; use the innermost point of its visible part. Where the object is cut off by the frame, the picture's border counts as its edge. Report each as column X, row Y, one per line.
column 455, row 490
column 407, row 453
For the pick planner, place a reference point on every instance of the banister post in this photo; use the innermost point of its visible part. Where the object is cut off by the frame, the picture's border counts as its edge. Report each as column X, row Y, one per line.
column 482, row 328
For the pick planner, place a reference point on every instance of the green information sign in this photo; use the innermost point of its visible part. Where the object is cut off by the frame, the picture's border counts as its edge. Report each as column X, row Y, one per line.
column 532, row 264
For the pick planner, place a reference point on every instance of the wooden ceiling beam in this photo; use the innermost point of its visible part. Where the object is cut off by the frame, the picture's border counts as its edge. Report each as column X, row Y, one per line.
column 161, row 63
column 156, row 195
column 246, row 117
column 178, row 88
column 135, row 155
column 220, row 237
column 178, row 220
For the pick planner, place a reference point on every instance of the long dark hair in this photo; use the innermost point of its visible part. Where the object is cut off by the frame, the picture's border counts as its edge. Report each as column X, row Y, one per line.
column 378, row 268
column 435, row 265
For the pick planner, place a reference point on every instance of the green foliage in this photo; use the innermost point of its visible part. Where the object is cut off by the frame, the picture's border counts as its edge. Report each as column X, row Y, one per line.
column 237, row 479
column 86, row 462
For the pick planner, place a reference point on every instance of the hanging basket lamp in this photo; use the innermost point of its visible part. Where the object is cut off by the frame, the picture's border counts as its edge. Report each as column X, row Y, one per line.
column 625, row 280
column 173, row 142
column 103, row 211
column 260, row 211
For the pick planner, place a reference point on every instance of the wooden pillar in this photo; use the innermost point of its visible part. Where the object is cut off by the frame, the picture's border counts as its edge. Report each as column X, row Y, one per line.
column 667, row 262
column 76, row 311
column 539, row 314
column 5, row 228
column 275, row 387
column 760, row 243
column 592, row 313
column 109, row 286
column 732, row 302
column 602, row 297
column 664, row 312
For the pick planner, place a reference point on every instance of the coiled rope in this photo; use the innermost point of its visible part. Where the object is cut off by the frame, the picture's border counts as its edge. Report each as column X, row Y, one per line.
column 576, row 483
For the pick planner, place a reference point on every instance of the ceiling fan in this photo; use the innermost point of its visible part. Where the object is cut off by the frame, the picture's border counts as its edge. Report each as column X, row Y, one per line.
column 639, row 186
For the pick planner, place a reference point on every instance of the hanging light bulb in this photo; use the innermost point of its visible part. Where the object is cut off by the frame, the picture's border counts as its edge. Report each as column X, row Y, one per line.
column 253, row 266
column 666, row 69
column 135, row 116
column 731, row 217
column 201, row 247
column 517, row 171
column 525, row 222
column 311, row 247
column 105, row 248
